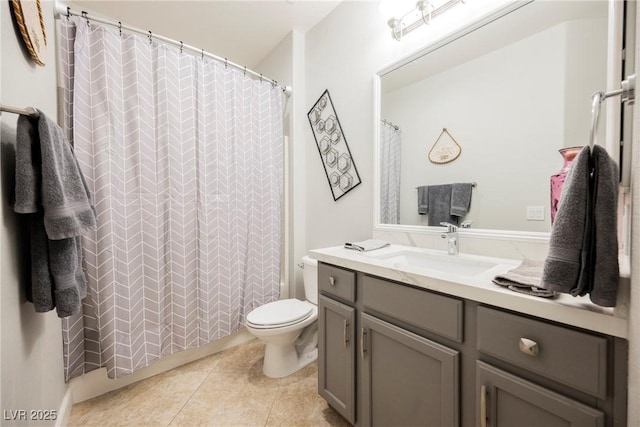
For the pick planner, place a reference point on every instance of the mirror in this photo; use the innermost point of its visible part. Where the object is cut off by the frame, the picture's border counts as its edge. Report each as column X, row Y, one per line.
column 511, row 93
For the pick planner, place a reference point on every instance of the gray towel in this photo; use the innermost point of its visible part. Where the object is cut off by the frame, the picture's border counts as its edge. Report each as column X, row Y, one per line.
column 68, row 210
column 566, row 266
column 604, row 244
column 525, row 278
column 439, row 202
column 583, row 248
column 460, row 199
column 50, row 187
column 423, row 200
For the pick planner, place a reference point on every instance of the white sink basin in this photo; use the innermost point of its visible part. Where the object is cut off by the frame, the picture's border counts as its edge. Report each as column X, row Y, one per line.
column 455, row 264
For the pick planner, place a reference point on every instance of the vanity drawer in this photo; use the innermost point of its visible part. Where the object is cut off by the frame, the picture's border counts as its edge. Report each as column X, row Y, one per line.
column 337, row 281
column 426, row 310
column 573, row 358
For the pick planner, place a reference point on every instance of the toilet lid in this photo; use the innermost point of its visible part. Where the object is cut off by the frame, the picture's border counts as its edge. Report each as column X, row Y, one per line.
column 280, row 313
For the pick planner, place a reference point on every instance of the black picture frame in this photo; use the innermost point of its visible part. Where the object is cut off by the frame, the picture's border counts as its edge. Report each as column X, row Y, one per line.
column 339, row 166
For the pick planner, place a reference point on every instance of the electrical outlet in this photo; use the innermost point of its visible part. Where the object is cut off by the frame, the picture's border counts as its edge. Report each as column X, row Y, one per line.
column 535, row 213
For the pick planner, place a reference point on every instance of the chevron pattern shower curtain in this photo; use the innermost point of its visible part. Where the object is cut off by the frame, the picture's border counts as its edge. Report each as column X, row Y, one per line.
column 184, row 159
column 390, row 169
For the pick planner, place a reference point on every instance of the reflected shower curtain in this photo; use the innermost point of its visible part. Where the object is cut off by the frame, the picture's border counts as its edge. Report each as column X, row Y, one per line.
column 389, row 173
column 184, row 159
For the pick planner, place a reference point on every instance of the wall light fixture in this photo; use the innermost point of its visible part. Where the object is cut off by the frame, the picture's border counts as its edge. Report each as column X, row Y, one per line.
column 422, row 13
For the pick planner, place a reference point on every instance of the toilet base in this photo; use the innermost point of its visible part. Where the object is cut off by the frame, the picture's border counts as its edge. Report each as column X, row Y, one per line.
column 282, row 361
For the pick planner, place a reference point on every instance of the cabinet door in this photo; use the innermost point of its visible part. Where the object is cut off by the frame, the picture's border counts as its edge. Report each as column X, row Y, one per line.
column 505, row 400
column 336, row 358
column 408, row 380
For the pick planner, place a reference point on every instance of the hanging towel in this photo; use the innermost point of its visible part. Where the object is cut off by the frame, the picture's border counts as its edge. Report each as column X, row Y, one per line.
column 423, row 199
column 604, row 245
column 51, row 189
column 583, row 248
column 525, row 278
column 566, row 265
column 439, row 202
column 460, row 199
column 367, row 245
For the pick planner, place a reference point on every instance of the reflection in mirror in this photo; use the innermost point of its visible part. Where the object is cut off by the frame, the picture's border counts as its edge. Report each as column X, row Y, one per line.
column 512, row 93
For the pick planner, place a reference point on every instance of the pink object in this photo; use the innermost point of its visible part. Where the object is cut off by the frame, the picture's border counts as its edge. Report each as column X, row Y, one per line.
column 557, row 180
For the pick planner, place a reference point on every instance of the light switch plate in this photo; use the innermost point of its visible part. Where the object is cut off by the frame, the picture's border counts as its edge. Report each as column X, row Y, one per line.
column 535, row 213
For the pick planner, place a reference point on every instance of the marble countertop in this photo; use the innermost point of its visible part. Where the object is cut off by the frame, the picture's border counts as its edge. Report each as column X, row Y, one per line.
column 579, row 312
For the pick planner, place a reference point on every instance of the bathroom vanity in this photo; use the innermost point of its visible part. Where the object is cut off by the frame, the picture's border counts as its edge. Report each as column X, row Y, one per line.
column 405, row 342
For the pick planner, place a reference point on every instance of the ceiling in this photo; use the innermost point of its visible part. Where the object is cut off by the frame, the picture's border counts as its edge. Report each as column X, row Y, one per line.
column 242, row 31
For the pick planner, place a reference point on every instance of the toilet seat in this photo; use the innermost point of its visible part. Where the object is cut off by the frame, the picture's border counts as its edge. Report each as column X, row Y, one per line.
column 278, row 314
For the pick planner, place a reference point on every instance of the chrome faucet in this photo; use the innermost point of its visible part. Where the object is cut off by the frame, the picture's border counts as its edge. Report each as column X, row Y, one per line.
column 452, row 238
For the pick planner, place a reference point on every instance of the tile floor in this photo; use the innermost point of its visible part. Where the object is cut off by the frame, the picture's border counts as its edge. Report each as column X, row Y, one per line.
column 224, row 389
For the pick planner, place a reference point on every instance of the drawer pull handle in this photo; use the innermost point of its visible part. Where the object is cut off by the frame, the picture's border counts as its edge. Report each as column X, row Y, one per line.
column 362, row 349
column 332, row 281
column 483, row 406
column 346, row 340
column 529, row 347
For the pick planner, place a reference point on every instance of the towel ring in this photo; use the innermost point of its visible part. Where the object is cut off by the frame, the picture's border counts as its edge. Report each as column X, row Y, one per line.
column 627, row 95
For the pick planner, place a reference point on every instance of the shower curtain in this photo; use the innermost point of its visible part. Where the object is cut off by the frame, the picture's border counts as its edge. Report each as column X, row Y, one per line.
column 389, row 173
column 184, row 159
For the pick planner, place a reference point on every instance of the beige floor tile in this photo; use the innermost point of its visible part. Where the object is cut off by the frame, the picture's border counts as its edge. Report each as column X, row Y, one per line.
column 230, row 399
column 299, row 404
column 154, row 401
column 237, row 359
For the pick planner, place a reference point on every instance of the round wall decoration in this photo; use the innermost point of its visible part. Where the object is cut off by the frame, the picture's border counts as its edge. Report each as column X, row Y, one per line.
column 29, row 18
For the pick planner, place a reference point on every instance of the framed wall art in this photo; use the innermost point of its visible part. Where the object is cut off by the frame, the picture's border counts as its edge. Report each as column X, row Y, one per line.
column 337, row 161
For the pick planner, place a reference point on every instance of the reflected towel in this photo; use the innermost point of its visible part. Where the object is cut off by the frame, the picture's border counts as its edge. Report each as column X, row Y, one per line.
column 460, row 199
column 423, row 200
column 525, row 278
column 439, row 202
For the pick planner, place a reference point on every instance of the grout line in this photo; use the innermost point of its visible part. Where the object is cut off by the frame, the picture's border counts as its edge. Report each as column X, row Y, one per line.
column 273, row 402
column 190, row 397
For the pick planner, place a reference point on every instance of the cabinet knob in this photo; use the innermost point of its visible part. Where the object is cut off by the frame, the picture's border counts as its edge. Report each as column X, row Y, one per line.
column 332, row 281
column 529, row 347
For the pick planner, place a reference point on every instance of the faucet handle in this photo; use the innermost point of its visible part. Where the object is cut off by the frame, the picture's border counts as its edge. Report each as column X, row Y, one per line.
column 450, row 227
column 466, row 224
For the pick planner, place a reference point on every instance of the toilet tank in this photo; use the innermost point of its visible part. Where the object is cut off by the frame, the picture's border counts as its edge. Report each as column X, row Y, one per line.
column 310, row 278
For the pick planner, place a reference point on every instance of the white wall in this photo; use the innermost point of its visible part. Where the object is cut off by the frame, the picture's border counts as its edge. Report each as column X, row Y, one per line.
column 31, row 358
column 344, row 51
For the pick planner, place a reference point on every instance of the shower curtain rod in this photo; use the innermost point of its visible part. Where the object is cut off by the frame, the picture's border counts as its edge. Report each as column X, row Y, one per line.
column 63, row 11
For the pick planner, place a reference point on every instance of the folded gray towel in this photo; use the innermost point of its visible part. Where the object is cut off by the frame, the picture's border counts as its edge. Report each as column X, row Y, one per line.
column 604, row 244
column 525, row 278
column 423, row 199
column 367, row 245
column 50, row 187
column 566, row 266
column 460, row 198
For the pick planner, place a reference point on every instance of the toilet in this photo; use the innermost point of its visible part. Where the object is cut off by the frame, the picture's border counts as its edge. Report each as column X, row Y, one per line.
column 288, row 328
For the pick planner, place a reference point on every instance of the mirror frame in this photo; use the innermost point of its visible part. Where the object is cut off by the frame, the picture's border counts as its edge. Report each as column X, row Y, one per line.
column 614, row 45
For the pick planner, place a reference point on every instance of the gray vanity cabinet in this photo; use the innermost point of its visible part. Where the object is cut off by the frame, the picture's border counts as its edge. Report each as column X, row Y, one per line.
column 336, row 356
column 392, row 354
column 407, row 380
column 506, row 400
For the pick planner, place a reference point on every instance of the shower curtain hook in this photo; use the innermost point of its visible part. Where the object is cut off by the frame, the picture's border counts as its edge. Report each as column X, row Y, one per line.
column 120, row 27
column 226, row 62
column 85, row 15
column 68, row 13
column 245, row 70
column 150, row 35
column 274, row 83
column 202, row 52
column 181, row 46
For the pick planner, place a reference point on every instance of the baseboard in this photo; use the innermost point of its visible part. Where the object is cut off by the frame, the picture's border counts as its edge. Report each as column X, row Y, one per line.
column 64, row 411
column 96, row 383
